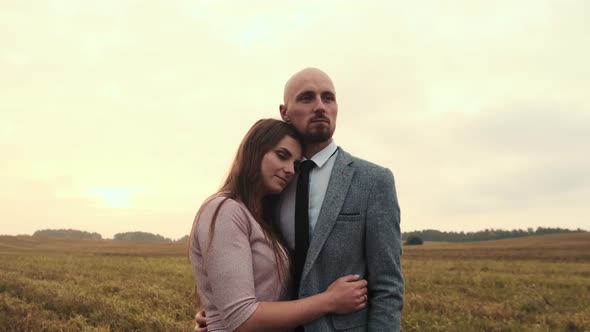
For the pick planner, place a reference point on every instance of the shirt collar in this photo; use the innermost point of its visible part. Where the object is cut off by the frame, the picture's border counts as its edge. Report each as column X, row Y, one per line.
column 325, row 154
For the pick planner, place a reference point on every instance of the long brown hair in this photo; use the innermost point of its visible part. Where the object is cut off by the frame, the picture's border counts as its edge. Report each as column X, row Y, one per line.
column 244, row 183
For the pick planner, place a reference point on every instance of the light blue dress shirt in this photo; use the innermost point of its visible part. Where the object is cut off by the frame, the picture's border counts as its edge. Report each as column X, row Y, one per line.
column 318, row 184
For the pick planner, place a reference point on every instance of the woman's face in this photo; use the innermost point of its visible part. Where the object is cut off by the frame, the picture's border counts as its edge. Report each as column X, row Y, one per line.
column 278, row 165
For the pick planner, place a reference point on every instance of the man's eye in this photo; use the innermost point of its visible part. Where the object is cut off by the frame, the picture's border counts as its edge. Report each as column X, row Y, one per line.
column 306, row 97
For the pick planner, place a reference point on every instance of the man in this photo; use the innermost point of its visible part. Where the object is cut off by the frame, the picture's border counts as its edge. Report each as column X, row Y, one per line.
column 352, row 211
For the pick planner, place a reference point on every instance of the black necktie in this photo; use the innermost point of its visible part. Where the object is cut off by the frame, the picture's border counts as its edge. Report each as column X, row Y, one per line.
column 301, row 224
column 301, row 220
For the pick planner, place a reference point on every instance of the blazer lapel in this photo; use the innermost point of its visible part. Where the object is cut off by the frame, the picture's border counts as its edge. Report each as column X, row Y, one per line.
column 335, row 195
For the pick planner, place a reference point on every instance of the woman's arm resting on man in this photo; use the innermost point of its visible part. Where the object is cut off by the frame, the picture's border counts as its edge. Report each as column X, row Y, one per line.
column 345, row 295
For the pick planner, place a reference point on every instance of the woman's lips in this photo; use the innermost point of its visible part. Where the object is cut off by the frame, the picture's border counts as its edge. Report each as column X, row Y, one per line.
column 282, row 179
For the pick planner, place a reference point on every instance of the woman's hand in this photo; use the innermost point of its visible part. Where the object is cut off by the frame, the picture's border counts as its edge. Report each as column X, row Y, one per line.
column 347, row 295
column 201, row 322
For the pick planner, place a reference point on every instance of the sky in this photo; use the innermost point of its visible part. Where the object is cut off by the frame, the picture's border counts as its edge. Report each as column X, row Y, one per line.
column 120, row 116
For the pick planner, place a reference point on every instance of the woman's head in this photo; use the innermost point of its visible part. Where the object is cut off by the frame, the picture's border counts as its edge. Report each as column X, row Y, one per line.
column 265, row 161
column 277, row 167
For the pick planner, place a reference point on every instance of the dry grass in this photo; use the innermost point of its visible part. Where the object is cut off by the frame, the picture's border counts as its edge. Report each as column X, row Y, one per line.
column 539, row 283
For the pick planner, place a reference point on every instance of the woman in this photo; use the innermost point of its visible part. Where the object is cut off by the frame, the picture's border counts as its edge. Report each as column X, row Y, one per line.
column 239, row 261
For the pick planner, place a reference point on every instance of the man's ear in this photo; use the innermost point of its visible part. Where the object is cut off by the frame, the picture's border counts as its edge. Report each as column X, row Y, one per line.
column 283, row 111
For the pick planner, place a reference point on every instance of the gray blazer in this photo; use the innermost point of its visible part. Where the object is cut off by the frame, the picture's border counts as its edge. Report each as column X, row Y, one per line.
column 358, row 232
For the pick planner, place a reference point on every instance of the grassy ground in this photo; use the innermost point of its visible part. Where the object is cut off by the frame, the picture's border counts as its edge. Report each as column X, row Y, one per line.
column 539, row 283
column 494, row 295
column 82, row 292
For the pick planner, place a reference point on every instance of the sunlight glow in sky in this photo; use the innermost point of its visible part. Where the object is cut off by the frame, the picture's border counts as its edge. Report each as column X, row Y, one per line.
column 114, row 197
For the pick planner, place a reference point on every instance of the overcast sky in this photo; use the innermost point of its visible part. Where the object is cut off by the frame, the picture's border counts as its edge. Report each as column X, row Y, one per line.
column 124, row 115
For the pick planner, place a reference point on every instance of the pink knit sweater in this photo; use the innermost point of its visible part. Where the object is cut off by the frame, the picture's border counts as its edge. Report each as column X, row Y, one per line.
column 237, row 269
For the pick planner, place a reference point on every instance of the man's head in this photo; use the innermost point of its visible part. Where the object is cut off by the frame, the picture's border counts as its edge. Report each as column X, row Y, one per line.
column 310, row 105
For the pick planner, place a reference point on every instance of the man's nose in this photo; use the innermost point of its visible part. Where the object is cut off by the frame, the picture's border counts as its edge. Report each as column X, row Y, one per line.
column 319, row 105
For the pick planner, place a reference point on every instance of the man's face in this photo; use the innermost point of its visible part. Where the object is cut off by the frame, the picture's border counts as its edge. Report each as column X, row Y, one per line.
column 310, row 106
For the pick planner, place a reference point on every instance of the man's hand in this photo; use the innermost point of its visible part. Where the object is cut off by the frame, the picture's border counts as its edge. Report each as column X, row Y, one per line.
column 201, row 322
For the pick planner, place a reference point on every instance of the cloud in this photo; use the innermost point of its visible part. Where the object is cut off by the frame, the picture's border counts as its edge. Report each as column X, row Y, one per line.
column 526, row 154
column 493, row 165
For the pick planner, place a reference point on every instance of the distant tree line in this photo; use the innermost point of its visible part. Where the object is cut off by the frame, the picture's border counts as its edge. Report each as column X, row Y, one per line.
column 425, row 235
column 140, row 237
column 183, row 239
column 487, row 234
column 69, row 233
column 123, row 237
column 414, row 240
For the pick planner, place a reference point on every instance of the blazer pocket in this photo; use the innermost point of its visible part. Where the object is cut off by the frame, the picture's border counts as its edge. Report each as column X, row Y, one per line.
column 349, row 217
column 346, row 322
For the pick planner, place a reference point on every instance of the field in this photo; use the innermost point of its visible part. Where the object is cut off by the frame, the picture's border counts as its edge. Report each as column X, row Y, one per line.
column 539, row 283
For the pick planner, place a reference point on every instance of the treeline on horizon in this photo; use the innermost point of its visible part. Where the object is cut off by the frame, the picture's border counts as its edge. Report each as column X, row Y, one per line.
column 425, row 235
column 121, row 237
column 485, row 235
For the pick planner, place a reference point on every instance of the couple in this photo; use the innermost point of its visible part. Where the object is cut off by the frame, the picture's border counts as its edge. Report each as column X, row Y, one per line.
column 315, row 250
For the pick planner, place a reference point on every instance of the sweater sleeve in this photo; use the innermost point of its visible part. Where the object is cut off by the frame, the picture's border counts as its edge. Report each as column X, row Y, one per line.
column 227, row 259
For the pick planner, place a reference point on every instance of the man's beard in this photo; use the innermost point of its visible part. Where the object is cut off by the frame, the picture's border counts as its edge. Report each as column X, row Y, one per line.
column 318, row 136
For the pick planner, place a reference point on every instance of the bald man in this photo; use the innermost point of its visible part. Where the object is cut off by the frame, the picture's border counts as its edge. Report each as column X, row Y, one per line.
column 353, row 213
column 354, row 219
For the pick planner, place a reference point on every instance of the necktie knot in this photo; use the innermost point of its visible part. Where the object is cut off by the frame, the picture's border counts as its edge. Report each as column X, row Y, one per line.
column 306, row 166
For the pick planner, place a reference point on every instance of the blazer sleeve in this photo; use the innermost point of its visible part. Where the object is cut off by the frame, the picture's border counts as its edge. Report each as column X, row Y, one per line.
column 227, row 260
column 383, row 251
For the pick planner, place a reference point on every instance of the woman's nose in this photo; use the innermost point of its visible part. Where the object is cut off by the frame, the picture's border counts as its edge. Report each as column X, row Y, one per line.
column 289, row 169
